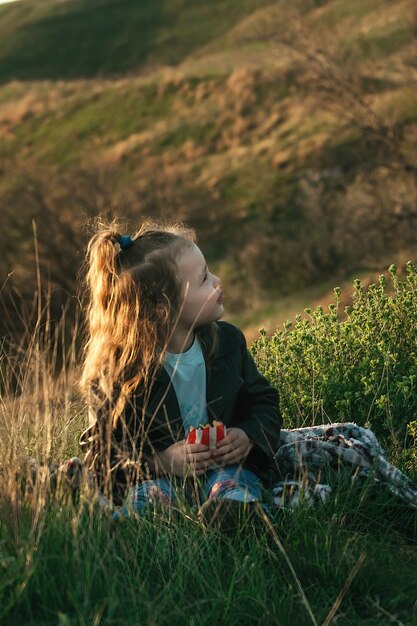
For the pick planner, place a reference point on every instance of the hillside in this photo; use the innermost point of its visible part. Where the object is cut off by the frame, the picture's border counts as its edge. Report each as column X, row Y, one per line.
column 44, row 39
column 284, row 134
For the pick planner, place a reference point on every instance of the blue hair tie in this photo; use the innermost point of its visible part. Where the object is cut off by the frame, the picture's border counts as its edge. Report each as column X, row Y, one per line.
column 125, row 242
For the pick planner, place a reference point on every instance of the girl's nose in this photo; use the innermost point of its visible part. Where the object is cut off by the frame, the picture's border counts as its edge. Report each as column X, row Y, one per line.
column 216, row 280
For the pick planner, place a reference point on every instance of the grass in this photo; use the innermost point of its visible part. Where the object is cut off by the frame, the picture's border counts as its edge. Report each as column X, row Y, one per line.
column 350, row 560
column 238, row 135
column 73, row 567
column 62, row 136
column 357, row 9
column 401, row 105
column 200, row 134
column 83, row 39
column 381, row 42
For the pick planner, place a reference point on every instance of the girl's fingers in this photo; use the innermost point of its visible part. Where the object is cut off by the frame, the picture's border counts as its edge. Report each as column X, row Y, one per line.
column 225, row 449
column 192, row 448
column 199, row 462
column 232, row 457
column 224, row 442
column 218, row 454
column 228, row 450
column 229, row 439
column 200, row 456
column 233, row 460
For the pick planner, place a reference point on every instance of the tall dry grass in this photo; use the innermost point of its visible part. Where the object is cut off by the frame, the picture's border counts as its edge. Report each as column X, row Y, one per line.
column 63, row 562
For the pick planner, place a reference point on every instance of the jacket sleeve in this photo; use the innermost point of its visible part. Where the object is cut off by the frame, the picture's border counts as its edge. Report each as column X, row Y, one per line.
column 259, row 406
column 116, row 457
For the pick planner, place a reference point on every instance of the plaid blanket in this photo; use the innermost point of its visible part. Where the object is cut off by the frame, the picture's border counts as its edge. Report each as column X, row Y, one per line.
column 305, row 454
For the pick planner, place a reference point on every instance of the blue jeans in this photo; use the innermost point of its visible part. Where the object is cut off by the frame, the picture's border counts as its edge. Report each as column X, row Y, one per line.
column 231, row 482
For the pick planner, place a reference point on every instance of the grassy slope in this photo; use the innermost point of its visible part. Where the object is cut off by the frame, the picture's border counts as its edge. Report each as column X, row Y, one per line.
column 104, row 113
column 223, row 127
column 355, row 554
column 107, row 37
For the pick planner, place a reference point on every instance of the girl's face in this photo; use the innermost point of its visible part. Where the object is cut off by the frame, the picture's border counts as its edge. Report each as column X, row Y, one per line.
column 202, row 297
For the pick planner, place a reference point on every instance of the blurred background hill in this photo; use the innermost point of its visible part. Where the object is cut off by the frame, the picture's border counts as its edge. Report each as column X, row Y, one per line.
column 284, row 133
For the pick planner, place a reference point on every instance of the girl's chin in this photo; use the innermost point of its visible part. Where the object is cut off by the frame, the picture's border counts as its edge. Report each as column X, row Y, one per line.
column 217, row 314
column 221, row 311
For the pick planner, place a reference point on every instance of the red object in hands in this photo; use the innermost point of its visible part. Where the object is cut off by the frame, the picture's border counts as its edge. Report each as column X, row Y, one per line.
column 207, row 435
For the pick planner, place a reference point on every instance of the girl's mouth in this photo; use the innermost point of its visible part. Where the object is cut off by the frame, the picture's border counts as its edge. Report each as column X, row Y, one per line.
column 220, row 299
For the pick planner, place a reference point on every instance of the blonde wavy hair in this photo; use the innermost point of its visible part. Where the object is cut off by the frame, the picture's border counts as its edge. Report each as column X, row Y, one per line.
column 133, row 300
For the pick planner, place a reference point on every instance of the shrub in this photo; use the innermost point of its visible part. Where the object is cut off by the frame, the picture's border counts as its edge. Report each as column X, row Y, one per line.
column 362, row 368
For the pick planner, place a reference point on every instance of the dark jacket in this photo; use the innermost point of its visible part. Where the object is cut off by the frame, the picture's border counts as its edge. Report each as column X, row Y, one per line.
column 237, row 395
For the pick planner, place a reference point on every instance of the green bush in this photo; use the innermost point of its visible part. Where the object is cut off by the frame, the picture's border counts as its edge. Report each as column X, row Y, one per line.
column 362, row 368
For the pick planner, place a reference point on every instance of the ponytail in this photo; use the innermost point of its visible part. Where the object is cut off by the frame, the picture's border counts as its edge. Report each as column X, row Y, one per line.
column 133, row 300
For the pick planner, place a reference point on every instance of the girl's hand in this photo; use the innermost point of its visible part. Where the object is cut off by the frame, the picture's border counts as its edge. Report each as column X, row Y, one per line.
column 184, row 458
column 233, row 448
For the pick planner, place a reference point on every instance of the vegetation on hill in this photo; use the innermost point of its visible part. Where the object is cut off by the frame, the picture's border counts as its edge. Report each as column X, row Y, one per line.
column 284, row 134
column 54, row 40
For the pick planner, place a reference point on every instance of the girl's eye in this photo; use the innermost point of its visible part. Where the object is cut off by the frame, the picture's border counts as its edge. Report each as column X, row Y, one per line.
column 205, row 277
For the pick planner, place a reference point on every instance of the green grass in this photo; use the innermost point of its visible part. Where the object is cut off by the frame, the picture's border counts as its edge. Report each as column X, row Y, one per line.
column 71, row 567
column 356, row 9
column 12, row 92
column 402, row 106
column 62, row 136
column 378, row 43
column 351, row 560
column 258, row 148
column 204, row 133
column 87, row 38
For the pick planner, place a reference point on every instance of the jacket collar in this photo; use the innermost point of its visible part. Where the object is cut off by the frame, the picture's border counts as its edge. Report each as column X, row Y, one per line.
column 221, row 385
column 226, row 341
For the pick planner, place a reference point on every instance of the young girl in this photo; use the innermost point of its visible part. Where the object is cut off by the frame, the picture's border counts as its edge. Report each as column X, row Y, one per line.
column 158, row 361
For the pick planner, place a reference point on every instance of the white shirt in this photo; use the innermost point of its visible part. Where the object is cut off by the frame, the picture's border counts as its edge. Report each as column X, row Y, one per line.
column 187, row 370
